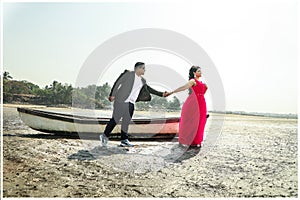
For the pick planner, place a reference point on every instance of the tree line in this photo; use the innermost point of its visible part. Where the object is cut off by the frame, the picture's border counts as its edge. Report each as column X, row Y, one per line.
column 59, row 94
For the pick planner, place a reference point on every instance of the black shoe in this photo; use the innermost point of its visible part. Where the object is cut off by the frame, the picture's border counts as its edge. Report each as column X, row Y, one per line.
column 126, row 143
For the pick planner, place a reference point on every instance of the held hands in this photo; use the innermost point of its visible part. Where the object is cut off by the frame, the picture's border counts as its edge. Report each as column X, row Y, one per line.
column 166, row 94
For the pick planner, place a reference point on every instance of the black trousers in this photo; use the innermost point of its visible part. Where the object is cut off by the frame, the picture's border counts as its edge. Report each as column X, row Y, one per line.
column 124, row 111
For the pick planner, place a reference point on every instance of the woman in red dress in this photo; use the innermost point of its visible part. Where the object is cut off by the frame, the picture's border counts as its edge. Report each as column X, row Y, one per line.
column 193, row 113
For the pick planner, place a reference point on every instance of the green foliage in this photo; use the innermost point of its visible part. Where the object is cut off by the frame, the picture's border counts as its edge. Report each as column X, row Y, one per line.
column 92, row 97
column 142, row 105
column 57, row 93
column 174, row 104
column 159, row 103
column 15, row 90
column 6, row 76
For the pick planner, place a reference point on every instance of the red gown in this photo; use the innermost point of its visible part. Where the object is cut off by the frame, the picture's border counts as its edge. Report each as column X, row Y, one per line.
column 193, row 116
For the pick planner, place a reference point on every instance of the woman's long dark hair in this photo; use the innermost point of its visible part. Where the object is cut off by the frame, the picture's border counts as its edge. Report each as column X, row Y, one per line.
column 191, row 75
column 192, row 70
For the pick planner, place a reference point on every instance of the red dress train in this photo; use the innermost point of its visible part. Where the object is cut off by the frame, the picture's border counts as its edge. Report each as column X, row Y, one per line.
column 193, row 116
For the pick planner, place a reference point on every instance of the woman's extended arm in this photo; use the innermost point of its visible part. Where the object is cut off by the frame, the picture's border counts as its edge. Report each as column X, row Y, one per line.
column 189, row 84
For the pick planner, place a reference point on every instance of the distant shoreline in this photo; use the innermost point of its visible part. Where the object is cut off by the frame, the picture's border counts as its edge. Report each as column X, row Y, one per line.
column 257, row 114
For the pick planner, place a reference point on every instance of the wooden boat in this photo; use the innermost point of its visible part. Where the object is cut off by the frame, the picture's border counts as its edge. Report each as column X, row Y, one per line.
column 61, row 123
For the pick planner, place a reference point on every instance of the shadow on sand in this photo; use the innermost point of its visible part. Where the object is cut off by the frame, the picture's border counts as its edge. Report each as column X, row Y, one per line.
column 99, row 151
column 140, row 159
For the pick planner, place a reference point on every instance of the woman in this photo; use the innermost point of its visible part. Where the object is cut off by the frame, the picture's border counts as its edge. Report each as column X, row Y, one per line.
column 193, row 113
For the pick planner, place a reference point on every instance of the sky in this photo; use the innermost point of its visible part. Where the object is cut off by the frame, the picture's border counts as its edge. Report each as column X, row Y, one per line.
column 252, row 43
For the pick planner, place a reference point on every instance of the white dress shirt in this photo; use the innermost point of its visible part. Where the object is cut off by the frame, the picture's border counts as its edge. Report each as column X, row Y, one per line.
column 137, row 86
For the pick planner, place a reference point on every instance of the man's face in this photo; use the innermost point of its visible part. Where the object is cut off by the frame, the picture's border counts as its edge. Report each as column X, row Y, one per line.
column 140, row 70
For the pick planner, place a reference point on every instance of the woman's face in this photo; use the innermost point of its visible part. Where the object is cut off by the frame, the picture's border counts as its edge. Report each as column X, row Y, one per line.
column 197, row 73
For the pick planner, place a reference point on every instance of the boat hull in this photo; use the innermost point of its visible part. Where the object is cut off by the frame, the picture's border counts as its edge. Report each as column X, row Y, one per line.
column 51, row 122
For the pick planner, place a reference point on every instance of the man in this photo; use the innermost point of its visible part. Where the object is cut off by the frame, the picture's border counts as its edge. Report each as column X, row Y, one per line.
column 129, row 88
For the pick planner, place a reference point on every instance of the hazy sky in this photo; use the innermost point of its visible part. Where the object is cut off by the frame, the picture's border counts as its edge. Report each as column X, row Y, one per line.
column 253, row 43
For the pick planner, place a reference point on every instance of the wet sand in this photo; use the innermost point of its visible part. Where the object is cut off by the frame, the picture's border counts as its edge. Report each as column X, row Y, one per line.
column 253, row 157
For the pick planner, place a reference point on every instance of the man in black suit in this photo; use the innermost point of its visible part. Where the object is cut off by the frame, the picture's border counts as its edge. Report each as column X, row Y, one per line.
column 129, row 88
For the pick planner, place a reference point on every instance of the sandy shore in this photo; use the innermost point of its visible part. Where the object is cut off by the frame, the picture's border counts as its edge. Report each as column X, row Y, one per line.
column 253, row 157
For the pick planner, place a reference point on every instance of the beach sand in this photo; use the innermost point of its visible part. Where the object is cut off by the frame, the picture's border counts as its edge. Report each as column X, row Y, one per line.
column 253, row 157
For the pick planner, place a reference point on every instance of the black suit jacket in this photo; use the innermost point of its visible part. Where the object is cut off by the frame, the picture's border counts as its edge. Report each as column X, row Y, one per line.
column 123, row 86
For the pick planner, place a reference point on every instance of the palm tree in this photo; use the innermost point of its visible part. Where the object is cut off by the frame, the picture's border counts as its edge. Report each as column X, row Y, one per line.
column 6, row 76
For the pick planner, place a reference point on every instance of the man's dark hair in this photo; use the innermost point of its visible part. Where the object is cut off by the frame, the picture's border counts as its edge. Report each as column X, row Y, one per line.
column 138, row 64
